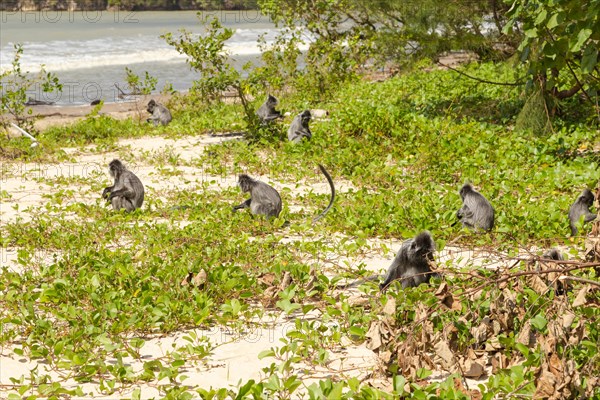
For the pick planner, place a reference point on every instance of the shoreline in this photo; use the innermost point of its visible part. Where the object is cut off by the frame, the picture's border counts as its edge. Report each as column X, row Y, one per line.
column 47, row 116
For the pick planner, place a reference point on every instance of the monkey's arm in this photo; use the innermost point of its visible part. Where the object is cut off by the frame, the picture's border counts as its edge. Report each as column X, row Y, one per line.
column 590, row 217
column 107, row 191
column 464, row 212
column 271, row 117
column 125, row 193
column 245, row 204
column 154, row 119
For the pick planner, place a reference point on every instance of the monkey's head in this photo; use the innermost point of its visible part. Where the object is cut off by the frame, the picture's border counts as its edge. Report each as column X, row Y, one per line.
column 553, row 254
column 423, row 245
column 151, row 106
column 246, row 183
column 306, row 116
column 587, row 197
column 115, row 167
column 466, row 189
column 272, row 100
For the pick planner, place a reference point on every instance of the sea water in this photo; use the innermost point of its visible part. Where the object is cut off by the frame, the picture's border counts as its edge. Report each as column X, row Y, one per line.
column 89, row 51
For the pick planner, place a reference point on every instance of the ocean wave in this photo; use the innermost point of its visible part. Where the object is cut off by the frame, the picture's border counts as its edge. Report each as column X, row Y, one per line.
column 65, row 55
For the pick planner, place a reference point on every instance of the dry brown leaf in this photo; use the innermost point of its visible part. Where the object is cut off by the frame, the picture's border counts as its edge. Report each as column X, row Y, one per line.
column 537, row 284
column 390, row 307
column 526, row 336
column 374, row 336
column 357, row 300
column 445, row 296
column 385, row 356
column 480, row 333
column 567, row 319
column 268, row 279
column 285, row 281
column 473, row 369
column 546, row 384
column 270, row 292
column 555, row 366
column 188, row 279
column 442, row 350
column 581, row 296
column 422, row 313
column 200, row 279
column 441, row 290
column 456, row 305
column 493, row 344
column 499, row 361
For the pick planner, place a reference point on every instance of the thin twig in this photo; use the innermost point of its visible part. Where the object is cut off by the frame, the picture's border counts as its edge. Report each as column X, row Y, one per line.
column 518, row 83
column 527, row 273
column 578, row 279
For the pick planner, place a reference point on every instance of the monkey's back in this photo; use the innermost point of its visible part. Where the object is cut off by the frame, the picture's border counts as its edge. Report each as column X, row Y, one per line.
column 132, row 182
column 166, row 117
column 581, row 208
column 483, row 212
column 265, row 200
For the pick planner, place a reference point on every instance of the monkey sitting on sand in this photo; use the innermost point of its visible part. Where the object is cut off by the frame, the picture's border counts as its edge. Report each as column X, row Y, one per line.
column 160, row 113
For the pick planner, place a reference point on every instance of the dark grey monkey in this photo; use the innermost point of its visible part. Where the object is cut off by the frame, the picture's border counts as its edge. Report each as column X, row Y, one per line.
column 299, row 127
column 127, row 192
column 264, row 199
column 476, row 212
column 411, row 264
column 266, row 112
column 581, row 208
column 160, row 114
column 553, row 254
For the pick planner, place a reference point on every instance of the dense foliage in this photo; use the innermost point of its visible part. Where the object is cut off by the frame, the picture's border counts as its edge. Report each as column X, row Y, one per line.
column 559, row 44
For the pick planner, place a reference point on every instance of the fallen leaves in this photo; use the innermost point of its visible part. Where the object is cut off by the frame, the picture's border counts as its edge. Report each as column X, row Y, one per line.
column 523, row 328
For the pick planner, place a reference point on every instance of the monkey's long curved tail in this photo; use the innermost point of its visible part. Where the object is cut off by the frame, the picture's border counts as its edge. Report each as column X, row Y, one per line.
column 324, row 171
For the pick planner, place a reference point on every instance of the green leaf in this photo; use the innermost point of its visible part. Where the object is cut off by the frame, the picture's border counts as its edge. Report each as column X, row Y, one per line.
column 399, row 382
column 357, row 331
column 555, row 20
column 336, row 391
column 266, row 353
column 541, row 17
column 539, row 322
column 589, row 59
column 522, row 348
column 583, row 35
column 531, row 33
